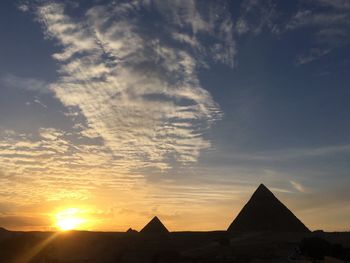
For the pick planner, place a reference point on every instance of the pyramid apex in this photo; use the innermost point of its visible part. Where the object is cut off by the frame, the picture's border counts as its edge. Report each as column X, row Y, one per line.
column 155, row 220
column 262, row 187
column 262, row 190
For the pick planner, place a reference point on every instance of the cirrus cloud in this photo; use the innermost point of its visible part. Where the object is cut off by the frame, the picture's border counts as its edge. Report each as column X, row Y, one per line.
column 138, row 89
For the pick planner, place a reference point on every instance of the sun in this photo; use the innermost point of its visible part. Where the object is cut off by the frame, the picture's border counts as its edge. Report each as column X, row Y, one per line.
column 69, row 219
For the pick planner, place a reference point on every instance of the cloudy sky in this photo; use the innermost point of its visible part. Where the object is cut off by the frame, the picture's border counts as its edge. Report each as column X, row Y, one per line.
column 178, row 108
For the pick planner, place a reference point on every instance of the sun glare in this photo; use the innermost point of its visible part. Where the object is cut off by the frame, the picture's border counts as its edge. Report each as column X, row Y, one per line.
column 69, row 219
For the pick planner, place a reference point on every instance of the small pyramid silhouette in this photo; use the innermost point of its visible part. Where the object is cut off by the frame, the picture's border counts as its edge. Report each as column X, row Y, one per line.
column 264, row 212
column 130, row 230
column 154, row 226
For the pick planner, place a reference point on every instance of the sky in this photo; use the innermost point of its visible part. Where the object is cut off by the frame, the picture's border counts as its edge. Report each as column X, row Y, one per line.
column 116, row 111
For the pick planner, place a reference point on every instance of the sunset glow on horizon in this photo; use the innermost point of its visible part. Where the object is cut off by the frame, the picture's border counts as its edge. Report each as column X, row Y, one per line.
column 69, row 219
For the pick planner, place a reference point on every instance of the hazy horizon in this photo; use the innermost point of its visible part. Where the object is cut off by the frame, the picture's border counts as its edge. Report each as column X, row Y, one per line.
column 112, row 112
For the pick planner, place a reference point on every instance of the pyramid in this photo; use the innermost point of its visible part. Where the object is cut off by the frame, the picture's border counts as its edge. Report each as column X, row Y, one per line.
column 154, row 227
column 264, row 212
column 130, row 230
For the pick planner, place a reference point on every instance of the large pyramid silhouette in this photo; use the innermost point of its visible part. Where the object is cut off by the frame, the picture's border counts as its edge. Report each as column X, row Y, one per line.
column 154, row 227
column 264, row 212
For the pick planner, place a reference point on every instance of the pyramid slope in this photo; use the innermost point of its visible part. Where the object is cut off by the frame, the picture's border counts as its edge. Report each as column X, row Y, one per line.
column 154, row 226
column 264, row 212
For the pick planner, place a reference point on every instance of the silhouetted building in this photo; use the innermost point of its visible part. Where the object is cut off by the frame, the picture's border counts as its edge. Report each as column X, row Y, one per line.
column 264, row 212
column 154, row 226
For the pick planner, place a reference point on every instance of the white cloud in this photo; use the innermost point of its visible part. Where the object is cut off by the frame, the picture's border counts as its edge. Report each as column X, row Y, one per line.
column 36, row 165
column 185, row 38
column 24, row 83
column 327, row 20
column 138, row 92
column 298, row 186
column 308, row 18
column 199, row 22
column 312, row 55
column 337, row 4
column 40, row 103
column 23, row 7
column 184, row 13
column 256, row 16
column 296, row 153
column 330, row 27
column 242, row 26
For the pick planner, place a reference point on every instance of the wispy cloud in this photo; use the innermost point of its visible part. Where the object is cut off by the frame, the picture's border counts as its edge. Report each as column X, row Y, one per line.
column 298, row 186
column 313, row 18
column 34, row 165
column 327, row 20
column 24, row 83
column 336, row 4
column 293, row 153
column 40, row 103
column 257, row 16
column 330, row 27
column 312, row 55
column 139, row 92
column 24, row 7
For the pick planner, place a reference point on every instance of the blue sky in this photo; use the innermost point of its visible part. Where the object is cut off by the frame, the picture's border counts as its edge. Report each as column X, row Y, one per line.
column 177, row 108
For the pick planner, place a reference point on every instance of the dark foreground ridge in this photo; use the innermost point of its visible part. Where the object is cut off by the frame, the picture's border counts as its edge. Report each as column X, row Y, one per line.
column 155, row 226
column 264, row 212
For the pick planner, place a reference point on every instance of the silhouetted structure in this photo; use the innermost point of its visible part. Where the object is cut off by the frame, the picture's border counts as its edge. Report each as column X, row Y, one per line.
column 130, row 230
column 154, row 226
column 264, row 212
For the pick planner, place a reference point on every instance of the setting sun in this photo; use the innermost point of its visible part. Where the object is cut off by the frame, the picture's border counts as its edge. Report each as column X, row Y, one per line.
column 69, row 219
